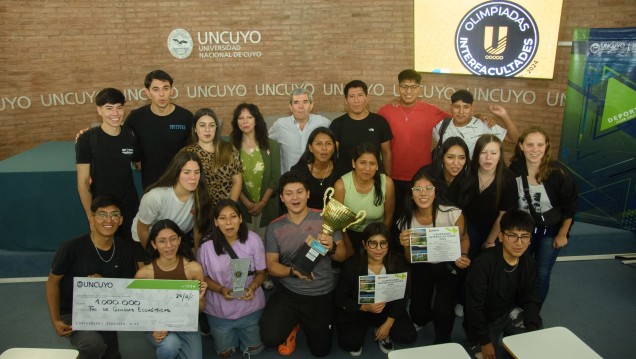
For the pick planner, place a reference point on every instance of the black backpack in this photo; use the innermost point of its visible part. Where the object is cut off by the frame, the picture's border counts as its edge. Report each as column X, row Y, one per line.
column 437, row 151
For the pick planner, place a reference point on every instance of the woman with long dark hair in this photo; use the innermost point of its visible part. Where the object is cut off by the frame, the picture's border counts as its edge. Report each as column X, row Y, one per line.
column 179, row 195
column 221, row 163
column 493, row 192
column 425, row 210
column 548, row 192
column 353, row 319
column 260, row 158
column 317, row 164
column 365, row 188
column 172, row 258
column 233, row 319
column 452, row 172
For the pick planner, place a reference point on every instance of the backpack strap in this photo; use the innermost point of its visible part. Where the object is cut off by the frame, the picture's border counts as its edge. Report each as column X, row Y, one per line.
column 443, row 127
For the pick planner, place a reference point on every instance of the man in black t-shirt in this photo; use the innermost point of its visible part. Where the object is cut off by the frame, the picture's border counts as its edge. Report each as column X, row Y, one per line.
column 98, row 254
column 501, row 295
column 359, row 125
column 103, row 156
column 162, row 128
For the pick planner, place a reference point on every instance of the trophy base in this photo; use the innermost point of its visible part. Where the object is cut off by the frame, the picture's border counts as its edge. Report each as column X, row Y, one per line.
column 307, row 256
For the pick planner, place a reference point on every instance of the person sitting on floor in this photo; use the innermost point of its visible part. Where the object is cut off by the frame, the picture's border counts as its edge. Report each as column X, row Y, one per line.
column 171, row 258
column 97, row 254
column 302, row 300
column 353, row 319
column 501, row 296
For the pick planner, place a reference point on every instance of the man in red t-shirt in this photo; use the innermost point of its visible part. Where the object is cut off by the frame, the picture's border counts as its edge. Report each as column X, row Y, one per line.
column 411, row 123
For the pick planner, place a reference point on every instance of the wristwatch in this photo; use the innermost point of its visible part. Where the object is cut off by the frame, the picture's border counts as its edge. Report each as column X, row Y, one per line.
column 291, row 272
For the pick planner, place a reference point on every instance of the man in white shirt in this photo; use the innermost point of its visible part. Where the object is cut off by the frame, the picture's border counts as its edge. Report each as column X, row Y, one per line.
column 469, row 128
column 293, row 131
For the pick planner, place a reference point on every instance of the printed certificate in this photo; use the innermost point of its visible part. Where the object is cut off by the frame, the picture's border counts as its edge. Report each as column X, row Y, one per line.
column 381, row 288
column 435, row 244
column 135, row 304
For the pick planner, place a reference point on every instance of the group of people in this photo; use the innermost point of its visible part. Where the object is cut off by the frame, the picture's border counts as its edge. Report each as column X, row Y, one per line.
column 259, row 194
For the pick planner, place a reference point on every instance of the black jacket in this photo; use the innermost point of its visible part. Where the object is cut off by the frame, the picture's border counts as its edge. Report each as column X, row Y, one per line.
column 482, row 301
column 347, row 307
column 559, row 186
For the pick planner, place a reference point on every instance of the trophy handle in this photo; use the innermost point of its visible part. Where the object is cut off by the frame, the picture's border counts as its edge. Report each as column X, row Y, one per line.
column 362, row 214
column 328, row 194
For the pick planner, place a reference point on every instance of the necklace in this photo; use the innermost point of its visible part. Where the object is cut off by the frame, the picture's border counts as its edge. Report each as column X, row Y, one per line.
column 406, row 115
column 486, row 183
column 325, row 173
column 249, row 148
column 99, row 255
column 513, row 268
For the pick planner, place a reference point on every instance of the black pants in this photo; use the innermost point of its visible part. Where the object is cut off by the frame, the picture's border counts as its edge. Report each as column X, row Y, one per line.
column 351, row 335
column 443, row 280
column 285, row 309
column 402, row 195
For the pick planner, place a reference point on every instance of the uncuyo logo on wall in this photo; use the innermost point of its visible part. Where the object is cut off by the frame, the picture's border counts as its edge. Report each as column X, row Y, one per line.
column 180, row 43
column 497, row 38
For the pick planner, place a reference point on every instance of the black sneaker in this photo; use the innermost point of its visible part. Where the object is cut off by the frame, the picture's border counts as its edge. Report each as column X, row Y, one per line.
column 385, row 345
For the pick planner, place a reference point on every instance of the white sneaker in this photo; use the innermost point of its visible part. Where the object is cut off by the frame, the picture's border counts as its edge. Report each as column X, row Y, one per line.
column 417, row 327
column 356, row 353
column 386, row 345
column 459, row 310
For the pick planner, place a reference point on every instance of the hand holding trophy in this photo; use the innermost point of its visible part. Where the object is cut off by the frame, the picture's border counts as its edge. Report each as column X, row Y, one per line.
column 336, row 217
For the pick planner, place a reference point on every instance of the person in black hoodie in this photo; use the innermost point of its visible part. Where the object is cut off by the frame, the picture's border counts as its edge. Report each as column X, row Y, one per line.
column 501, row 296
column 353, row 319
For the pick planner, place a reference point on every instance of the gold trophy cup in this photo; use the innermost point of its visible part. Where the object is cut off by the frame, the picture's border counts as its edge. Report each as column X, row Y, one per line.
column 336, row 216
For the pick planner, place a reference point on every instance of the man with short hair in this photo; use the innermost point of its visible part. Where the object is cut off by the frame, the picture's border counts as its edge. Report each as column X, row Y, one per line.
column 97, row 254
column 411, row 123
column 469, row 128
column 360, row 125
column 293, row 131
column 103, row 155
column 162, row 128
column 301, row 301
column 501, row 292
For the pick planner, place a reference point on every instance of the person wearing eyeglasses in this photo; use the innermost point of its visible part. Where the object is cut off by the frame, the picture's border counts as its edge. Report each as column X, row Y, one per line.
column 171, row 258
column 353, row 319
column 412, row 124
column 423, row 210
column 97, row 254
column 221, row 161
column 501, row 294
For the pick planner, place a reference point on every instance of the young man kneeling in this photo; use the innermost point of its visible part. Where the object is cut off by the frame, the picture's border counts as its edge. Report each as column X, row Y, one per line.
column 501, row 293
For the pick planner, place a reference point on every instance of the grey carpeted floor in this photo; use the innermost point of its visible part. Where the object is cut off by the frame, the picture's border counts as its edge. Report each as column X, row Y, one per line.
column 594, row 299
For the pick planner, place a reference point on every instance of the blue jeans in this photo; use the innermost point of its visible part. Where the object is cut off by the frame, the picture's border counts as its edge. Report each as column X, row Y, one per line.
column 242, row 333
column 183, row 345
column 545, row 256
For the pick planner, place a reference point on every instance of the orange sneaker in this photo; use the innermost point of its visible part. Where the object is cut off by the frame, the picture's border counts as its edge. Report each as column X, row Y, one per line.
column 290, row 343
